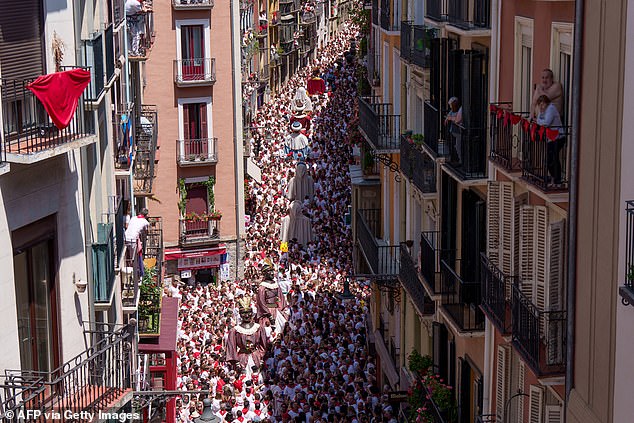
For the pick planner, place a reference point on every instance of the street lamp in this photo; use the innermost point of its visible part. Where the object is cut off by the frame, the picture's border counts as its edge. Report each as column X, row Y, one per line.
column 208, row 416
column 508, row 402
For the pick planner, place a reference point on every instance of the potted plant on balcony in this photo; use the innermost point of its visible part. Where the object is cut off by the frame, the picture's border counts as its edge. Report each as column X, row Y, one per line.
column 429, row 394
column 150, row 299
column 215, row 215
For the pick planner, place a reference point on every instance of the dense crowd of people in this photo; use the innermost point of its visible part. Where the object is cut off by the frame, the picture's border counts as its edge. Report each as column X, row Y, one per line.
column 318, row 369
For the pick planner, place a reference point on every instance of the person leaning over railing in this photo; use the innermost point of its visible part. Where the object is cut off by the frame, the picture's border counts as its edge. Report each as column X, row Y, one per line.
column 549, row 117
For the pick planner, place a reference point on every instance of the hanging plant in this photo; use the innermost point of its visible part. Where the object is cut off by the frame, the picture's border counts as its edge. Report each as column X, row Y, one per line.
column 182, row 190
column 211, row 197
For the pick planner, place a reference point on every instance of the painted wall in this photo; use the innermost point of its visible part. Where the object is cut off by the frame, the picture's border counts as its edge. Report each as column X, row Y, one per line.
column 26, row 196
column 162, row 91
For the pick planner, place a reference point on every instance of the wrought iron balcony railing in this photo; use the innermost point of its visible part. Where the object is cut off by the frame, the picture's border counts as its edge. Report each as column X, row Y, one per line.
column 372, row 218
column 417, row 166
column 406, row 40
column 461, row 298
column 408, row 276
column 627, row 289
column 459, row 15
column 153, row 242
column 192, row 4
column 386, row 17
column 118, row 11
column 124, row 130
column 375, row 12
column 377, row 124
column 195, row 71
column 197, row 152
column 505, row 145
column 467, row 146
column 430, row 258
column 146, row 144
column 198, row 231
column 130, row 277
column 90, row 382
column 545, row 162
column 27, row 128
column 540, row 336
column 383, row 260
column 434, row 131
column 496, row 294
column 436, row 10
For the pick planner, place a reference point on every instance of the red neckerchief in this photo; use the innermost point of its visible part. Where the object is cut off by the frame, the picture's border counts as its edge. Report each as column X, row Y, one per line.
column 257, row 412
column 241, row 418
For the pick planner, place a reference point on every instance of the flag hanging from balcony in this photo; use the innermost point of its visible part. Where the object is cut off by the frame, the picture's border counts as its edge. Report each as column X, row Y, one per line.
column 59, row 93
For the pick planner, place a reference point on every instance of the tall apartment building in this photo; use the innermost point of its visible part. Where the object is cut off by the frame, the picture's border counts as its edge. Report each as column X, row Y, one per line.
column 69, row 289
column 461, row 229
column 191, row 75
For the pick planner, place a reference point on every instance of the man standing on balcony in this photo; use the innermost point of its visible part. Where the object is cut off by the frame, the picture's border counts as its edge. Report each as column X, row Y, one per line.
column 134, row 10
column 550, row 88
column 137, row 226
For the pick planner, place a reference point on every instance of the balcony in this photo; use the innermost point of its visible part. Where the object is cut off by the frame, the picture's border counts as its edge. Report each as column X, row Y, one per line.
column 308, row 18
column 461, row 298
column 381, row 259
column 195, row 230
column 103, row 264
column 130, row 278
column 141, row 28
column 118, row 12
column 98, row 379
column 153, row 243
column 29, row 134
column 627, row 290
column 430, row 258
column 436, row 10
column 433, row 130
column 407, row 40
column 417, row 166
column 467, row 148
column 375, row 12
column 496, row 294
column 408, row 276
column 505, row 146
column 539, row 336
column 459, row 15
column 265, row 73
column 192, row 4
column 377, row 124
column 195, row 72
column 146, row 145
column 386, row 18
column 198, row 152
column 544, row 161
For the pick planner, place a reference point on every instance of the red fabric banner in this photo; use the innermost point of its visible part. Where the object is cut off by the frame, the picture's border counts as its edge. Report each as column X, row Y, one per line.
column 59, row 93
column 515, row 119
column 552, row 134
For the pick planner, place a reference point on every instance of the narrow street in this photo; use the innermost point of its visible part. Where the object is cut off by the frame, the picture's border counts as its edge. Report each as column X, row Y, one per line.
column 318, row 368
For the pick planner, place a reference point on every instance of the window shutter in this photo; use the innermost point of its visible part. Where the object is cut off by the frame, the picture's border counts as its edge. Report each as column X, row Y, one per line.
column 518, row 202
column 520, row 387
column 186, row 122
column 555, row 266
column 203, row 121
column 527, row 246
column 501, row 380
column 541, row 249
column 536, row 399
column 506, row 227
column 493, row 222
column 554, row 413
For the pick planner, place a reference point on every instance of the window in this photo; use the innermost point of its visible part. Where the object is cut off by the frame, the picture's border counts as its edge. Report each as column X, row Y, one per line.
column 195, row 120
column 35, row 295
column 192, row 50
column 561, row 63
column 523, row 64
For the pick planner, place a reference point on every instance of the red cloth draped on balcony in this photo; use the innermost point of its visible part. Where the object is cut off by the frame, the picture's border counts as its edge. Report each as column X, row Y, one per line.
column 316, row 86
column 59, row 93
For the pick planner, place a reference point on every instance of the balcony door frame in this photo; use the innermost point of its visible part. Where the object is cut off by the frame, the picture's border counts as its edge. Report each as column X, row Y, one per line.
column 562, row 40
column 24, row 240
column 524, row 37
column 206, row 43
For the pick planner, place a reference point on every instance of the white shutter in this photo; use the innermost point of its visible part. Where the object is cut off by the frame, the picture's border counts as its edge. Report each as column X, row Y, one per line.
column 554, row 413
column 501, row 380
column 556, row 266
column 506, row 227
column 527, row 246
column 541, row 248
column 520, row 388
column 536, row 400
column 493, row 222
column 518, row 202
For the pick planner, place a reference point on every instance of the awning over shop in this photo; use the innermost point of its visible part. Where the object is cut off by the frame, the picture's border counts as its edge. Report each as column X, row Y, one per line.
column 198, row 259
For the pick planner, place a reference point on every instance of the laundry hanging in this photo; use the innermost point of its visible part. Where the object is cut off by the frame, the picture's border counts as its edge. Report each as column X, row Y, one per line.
column 59, row 93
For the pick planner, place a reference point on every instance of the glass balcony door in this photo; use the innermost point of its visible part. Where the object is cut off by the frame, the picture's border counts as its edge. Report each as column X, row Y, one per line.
column 193, row 53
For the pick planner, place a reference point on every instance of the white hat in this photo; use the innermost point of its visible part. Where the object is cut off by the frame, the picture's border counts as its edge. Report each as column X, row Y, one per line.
column 296, row 126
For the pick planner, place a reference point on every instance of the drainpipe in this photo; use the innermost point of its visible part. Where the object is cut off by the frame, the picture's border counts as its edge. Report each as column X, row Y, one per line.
column 126, row 70
column 574, row 196
column 237, row 126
